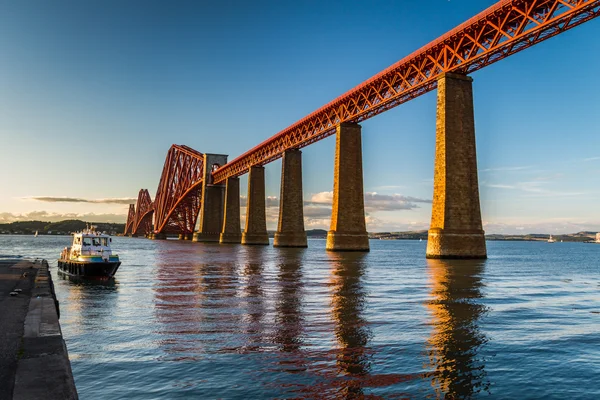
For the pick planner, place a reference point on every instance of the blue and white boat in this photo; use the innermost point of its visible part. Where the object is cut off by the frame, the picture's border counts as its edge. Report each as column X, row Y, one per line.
column 90, row 256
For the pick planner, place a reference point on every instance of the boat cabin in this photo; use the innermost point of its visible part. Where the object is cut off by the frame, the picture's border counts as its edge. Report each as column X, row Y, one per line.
column 89, row 243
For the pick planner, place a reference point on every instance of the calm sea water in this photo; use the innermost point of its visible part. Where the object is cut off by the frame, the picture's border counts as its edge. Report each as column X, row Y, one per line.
column 187, row 320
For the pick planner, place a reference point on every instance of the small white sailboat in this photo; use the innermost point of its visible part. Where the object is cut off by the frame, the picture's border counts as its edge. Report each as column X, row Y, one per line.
column 36, row 234
column 551, row 240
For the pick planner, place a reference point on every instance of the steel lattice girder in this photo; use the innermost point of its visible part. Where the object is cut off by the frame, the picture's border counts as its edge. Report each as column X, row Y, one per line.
column 130, row 220
column 143, row 213
column 496, row 33
column 179, row 192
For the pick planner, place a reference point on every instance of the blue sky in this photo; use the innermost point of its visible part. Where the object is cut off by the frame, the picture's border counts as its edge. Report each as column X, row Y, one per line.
column 93, row 94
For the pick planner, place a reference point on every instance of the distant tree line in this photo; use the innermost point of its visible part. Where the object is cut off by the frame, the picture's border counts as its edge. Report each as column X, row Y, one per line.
column 57, row 228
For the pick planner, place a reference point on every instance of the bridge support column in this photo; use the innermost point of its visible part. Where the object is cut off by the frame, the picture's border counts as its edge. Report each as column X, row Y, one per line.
column 256, row 222
column 231, row 232
column 456, row 230
column 211, row 210
column 290, row 230
column 159, row 236
column 348, row 231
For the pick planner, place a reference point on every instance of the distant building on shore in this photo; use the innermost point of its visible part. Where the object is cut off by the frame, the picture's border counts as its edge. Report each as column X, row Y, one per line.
column 598, row 237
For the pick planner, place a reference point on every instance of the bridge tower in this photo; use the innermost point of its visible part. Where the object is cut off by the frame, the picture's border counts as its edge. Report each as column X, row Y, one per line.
column 211, row 209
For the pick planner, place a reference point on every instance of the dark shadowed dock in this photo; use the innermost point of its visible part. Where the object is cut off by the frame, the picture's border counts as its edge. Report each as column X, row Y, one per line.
column 34, row 363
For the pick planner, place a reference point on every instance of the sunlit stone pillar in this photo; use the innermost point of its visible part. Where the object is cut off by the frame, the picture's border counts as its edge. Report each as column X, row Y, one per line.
column 290, row 230
column 456, row 230
column 211, row 209
column 348, row 231
column 231, row 232
column 256, row 221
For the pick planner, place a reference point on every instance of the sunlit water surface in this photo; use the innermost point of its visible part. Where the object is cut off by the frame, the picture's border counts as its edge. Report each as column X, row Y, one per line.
column 186, row 320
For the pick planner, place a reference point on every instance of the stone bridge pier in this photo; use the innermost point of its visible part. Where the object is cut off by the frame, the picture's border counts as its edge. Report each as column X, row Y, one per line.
column 231, row 232
column 348, row 230
column 256, row 220
column 290, row 230
column 456, row 230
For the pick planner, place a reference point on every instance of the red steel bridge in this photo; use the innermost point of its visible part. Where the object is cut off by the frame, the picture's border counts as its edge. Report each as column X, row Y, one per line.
column 503, row 29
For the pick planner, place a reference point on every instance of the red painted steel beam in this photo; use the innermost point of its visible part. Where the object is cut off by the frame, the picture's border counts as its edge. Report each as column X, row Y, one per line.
column 143, row 214
column 179, row 192
column 496, row 33
column 130, row 220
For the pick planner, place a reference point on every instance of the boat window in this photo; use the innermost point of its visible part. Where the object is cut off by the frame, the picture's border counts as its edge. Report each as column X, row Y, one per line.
column 104, row 242
column 77, row 240
column 96, row 241
column 87, row 241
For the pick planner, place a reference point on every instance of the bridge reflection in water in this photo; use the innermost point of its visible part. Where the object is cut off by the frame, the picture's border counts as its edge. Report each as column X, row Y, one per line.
column 348, row 301
column 455, row 342
column 289, row 324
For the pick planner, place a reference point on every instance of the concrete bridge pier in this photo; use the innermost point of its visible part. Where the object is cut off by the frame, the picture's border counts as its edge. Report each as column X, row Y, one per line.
column 348, row 231
column 290, row 230
column 256, row 222
column 211, row 210
column 158, row 236
column 456, row 230
column 231, row 232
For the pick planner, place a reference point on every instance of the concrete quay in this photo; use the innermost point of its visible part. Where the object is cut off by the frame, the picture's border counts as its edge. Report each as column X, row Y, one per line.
column 34, row 363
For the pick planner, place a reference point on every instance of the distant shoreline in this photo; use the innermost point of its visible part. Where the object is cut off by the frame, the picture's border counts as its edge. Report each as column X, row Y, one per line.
column 68, row 226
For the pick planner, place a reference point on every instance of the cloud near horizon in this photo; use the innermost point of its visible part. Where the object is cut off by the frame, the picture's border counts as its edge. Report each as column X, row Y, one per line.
column 6, row 218
column 50, row 199
column 373, row 201
column 317, row 210
column 320, row 218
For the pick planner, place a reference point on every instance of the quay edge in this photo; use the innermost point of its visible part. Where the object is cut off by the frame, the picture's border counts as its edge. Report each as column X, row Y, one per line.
column 43, row 369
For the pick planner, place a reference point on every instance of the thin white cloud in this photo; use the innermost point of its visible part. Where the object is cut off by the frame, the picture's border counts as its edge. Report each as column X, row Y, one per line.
column 270, row 201
column 373, row 201
column 498, row 169
column 591, row 159
column 389, row 187
column 55, row 217
column 534, row 188
column 554, row 226
column 51, row 199
column 499, row 186
column 321, row 198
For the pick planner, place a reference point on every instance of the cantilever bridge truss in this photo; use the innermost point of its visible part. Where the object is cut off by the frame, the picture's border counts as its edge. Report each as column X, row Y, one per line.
column 130, row 220
column 139, row 219
column 496, row 33
column 143, row 214
column 179, row 193
column 503, row 29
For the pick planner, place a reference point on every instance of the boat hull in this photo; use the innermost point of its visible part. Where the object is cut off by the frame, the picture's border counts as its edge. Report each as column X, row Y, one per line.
column 89, row 269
